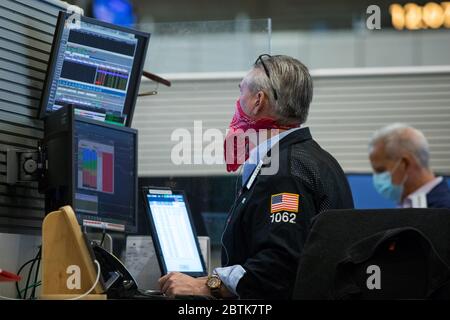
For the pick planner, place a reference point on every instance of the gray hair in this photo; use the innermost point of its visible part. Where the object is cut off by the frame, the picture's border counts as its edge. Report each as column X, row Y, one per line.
column 293, row 85
column 399, row 137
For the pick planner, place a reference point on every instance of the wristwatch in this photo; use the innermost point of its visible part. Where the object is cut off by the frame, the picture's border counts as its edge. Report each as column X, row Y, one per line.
column 214, row 284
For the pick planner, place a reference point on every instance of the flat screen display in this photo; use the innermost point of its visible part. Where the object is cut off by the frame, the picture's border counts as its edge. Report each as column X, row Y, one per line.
column 174, row 234
column 95, row 67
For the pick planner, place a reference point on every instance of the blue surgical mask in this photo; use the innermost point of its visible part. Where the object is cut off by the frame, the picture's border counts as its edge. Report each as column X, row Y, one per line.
column 384, row 186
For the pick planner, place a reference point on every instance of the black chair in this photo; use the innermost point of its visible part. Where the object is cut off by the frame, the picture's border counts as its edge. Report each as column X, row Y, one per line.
column 376, row 254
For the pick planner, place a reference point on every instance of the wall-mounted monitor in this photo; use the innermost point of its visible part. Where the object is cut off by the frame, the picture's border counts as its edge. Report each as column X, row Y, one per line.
column 95, row 67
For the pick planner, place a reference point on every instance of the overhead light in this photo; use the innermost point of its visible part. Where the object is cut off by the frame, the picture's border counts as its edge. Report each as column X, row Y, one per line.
column 446, row 6
column 414, row 17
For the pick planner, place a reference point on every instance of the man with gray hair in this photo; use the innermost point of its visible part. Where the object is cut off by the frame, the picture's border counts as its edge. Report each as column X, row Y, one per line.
column 270, row 220
column 400, row 159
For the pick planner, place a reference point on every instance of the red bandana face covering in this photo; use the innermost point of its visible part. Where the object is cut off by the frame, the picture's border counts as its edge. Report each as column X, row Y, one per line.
column 242, row 136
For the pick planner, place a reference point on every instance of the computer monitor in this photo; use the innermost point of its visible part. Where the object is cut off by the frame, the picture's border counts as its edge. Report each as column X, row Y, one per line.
column 92, row 166
column 364, row 194
column 173, row 232
column 95, row 67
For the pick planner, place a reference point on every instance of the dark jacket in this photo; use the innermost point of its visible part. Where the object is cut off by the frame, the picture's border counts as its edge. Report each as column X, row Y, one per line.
column 269, row 222
column 398, row 263
column 439, row 196
column 342, row 235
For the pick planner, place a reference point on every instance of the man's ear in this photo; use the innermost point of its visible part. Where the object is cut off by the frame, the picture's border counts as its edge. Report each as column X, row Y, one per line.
column 408, row 161
column 259, row 103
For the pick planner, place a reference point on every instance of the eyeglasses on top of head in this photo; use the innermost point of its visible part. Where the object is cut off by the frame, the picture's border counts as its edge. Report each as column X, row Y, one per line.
column 260, row 59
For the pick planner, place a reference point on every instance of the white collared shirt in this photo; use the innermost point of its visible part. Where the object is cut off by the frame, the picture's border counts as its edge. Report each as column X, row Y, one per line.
column 260, row 152
column 418, row 199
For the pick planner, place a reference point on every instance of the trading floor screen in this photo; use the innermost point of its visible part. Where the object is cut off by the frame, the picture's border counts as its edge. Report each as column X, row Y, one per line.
column 105, row 173
column 175, row 233
column 96, row 168
column 95, row 70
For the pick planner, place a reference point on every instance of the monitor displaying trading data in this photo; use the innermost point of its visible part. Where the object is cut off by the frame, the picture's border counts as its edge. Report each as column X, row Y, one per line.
column 174, row 234
column 91, row 166
column 95, row 67
column 105, row 176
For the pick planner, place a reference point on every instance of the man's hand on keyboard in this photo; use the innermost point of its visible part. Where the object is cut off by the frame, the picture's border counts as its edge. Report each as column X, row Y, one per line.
column 176, row 283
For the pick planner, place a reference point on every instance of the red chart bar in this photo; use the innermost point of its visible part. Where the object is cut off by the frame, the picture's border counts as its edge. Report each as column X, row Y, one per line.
column 108, row 172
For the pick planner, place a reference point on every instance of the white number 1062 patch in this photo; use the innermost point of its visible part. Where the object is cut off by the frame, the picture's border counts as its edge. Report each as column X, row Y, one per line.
column 283, row 217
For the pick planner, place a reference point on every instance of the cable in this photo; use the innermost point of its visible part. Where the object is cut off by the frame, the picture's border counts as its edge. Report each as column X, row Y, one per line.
column 19, row 292
column 33, row 293
column 30, row 271
column 93, row 286
column 230, row 214
column 103, row 238
column 33, row 285
column 76, row 298
column 18, row 273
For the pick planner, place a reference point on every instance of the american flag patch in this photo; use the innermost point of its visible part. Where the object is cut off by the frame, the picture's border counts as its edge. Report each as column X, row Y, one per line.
column 284, row 202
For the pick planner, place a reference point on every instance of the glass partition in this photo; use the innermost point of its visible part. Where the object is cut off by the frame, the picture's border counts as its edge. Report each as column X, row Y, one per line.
column 206, row 46
column 233, row 45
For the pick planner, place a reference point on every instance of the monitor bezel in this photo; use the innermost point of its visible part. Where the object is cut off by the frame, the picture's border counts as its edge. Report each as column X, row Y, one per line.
column 154, row 234
column 129, row 229
column 62, row 17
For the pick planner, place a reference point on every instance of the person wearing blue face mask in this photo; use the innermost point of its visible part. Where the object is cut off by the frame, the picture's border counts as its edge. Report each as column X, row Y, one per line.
column 384, row 185
column 399, row 155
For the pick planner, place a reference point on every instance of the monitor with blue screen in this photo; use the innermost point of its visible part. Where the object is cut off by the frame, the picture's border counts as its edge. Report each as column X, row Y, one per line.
column 119, row 12
column 364, row 194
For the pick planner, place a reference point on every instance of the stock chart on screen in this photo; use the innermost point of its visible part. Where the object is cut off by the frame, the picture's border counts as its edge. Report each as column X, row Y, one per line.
column 104, row 171
column 96, row 166
column 96, row 68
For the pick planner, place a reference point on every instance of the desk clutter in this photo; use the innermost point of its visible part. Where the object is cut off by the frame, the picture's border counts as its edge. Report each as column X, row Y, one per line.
column 87, row 271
